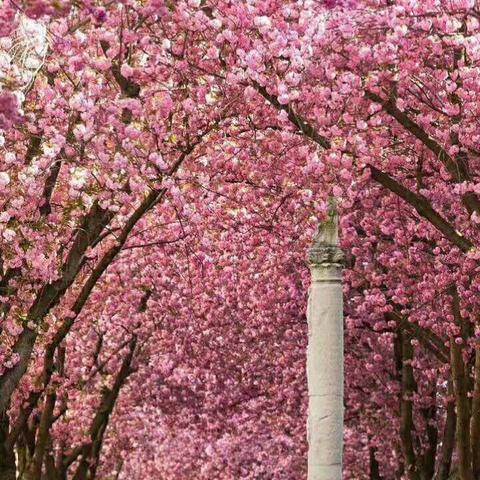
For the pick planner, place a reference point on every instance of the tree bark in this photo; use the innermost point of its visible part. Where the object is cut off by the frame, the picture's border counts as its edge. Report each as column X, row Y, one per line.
column 460, row 387
column 90, row 453
column 7, row 455
column 463, row 413
column 35, row 470
column 374, row 466
column 406, row 409
column 448, row 440
column 430, row 455
column 475, row 420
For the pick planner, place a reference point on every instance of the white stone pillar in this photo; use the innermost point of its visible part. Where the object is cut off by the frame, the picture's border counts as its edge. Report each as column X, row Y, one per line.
column 325, row 354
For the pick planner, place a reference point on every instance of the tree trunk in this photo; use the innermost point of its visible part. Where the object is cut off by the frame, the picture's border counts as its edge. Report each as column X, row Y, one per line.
column 463, row 414
column 430, row 455
column 374, row 466
column 460, row 387
column 406, row 410
column 448, row 441
column 475, row 420
column 7, row 455
column 90, row 453
column 35, row 470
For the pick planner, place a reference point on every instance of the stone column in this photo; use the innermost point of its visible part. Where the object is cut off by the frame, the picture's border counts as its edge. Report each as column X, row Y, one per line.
column 325, row 354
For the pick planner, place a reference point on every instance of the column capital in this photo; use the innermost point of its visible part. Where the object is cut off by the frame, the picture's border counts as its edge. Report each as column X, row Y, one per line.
column 326, row 256
column 325, row 251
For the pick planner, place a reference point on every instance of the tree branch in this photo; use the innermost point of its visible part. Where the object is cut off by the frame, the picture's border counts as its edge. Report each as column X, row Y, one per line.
column 423, row 208
column 420, row 203
column 428, row 339
column 90, row 453
column 457, row 167
column 92, row 225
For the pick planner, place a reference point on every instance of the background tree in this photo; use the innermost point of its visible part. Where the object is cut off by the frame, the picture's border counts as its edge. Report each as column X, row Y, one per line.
column 159, row 187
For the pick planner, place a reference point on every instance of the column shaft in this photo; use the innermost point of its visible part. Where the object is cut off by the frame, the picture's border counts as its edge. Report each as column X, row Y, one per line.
column 325, row 374
column 325, row 354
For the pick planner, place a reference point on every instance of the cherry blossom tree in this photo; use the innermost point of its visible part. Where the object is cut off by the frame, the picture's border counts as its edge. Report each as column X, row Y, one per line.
column 119, row 146
column 163, row 167
column 385, row 95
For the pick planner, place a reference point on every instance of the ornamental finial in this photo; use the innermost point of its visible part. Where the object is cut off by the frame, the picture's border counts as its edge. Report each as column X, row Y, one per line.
column 325, row 249
column 327, row 232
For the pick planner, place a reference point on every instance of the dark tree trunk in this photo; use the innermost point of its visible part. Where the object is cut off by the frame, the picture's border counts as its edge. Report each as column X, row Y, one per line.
column 7, row 455
column 406, row 410
column 448, row 442
column 430, row 455
column 374, row 466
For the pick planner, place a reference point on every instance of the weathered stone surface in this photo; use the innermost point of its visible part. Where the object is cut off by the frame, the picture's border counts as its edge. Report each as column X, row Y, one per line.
column 325, row 355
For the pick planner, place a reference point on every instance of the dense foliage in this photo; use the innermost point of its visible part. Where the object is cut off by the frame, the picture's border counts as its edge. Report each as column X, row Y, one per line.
column 163, row 166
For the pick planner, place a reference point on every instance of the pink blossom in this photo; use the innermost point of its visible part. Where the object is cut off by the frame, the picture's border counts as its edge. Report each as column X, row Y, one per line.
column 126, row 70
column 4, row 179
column 9, row 115
column 7, row 19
